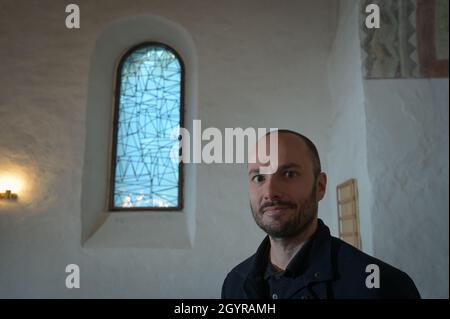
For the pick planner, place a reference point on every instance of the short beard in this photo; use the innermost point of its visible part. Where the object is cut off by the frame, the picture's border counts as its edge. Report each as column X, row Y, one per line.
column 298, row 224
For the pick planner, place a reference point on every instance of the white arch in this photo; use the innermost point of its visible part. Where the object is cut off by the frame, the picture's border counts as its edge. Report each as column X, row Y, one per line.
column 131, row 229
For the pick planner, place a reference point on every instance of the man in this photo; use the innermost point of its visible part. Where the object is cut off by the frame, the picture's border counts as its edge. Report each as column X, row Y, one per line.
column 299, row 258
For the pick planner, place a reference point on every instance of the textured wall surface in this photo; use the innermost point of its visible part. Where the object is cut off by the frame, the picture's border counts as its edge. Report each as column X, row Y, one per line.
column 407, row 130
column 255, row 57
column 392, row 135
column 347, row 152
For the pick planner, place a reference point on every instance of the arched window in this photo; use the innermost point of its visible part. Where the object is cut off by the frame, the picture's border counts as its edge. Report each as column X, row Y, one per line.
column 148, row 109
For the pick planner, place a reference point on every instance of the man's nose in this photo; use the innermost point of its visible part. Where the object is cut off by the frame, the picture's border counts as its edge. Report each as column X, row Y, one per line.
column 272, row 190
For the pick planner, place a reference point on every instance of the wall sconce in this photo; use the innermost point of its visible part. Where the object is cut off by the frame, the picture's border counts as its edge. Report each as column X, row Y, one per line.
column 9, row 187
column 8, row 195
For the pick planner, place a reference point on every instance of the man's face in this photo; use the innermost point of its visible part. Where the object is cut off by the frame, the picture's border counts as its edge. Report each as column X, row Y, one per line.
column 285, row 203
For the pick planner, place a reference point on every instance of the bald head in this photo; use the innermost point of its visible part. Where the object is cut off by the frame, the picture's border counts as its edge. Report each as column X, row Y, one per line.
column 292, row 143
column 314, row 154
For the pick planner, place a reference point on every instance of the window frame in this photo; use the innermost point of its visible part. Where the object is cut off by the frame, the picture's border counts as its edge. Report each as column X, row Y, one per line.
column 351, row 186
column 117, row 90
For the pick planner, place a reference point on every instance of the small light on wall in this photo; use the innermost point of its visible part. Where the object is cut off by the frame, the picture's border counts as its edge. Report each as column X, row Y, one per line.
column 10, row 186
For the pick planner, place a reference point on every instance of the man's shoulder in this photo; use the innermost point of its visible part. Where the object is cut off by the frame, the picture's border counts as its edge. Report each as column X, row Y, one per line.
column 242, row 269
column 352, row 262
column 345, row 253
column 232, row 287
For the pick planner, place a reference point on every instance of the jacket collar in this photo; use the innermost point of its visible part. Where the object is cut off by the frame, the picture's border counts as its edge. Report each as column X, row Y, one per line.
column 254, row 285
column 320, row 268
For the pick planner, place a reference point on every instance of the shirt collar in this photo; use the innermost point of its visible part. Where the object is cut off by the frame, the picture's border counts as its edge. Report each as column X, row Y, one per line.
column 318, row 268
column 315, row 255
column 295, row 266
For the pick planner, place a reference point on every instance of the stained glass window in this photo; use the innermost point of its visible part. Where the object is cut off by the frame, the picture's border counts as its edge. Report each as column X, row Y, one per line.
column 148, row 110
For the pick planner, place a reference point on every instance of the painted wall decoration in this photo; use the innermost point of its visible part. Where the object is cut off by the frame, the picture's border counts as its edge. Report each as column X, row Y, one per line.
column 412, row 41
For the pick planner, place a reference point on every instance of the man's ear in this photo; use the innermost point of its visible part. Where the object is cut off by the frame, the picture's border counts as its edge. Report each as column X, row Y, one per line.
column 321, row 185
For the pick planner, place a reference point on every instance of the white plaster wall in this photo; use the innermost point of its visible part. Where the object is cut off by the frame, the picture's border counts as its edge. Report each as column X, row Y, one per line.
column 408, row 149
column 347, row 152
column 261, row 64
column 392, row 135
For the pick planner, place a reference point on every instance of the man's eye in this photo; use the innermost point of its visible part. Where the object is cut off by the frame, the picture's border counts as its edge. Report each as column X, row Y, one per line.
column 290, row 174
column 258, row 178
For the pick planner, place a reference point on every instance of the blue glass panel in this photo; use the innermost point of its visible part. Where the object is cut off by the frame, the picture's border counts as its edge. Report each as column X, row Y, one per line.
column 149, row 110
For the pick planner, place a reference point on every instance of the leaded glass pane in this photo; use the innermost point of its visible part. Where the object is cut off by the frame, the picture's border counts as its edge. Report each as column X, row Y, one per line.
column 149, row 109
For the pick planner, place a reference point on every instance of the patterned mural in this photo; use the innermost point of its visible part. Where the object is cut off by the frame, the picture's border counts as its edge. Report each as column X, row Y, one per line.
column 412, row 41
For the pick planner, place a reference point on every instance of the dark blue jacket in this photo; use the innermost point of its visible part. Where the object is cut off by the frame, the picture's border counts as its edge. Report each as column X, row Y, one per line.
column 335, row 270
